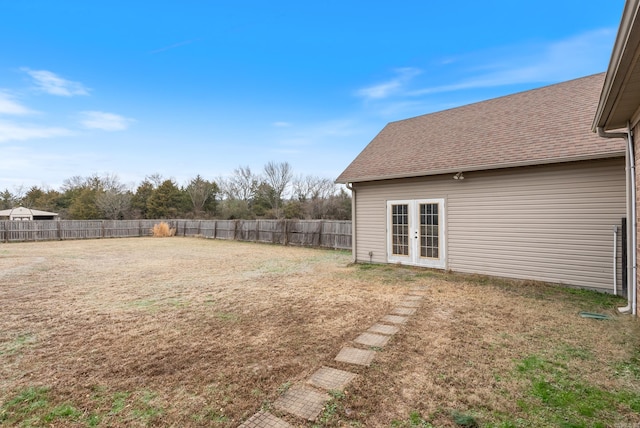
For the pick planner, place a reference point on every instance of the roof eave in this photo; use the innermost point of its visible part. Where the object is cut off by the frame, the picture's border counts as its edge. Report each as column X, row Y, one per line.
column 468, row 168
column 622, row 56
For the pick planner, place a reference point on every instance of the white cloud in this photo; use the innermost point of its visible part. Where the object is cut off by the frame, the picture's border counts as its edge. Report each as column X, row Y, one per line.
column 14, row 132
column 526, row 63
column 566, row 59
column 53, row 84
column 391, row 87
column 9, row 106
column 104, row 121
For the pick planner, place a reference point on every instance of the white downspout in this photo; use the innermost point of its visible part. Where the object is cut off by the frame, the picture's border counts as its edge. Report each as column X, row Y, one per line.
column 632, row 155
column 631, row 213
column 354, row 241
column 615, row 260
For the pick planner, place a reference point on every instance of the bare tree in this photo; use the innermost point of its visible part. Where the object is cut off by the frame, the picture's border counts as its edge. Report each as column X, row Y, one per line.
column 112, row 197
column 112, row 182
column 278, row 176
column 312, row 187
column 200, row 191
column 156, row 179
column 114, row 204
column 314, row 193
column 75, row 182
column 241, row 185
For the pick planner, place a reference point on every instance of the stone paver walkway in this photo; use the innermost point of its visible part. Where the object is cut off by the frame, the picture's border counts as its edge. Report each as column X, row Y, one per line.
column 371, row 339
column 307, row 401
column 410, row 303
column 384, row 329
column 403, row 311
column 331, row 379
column 264, row 419
column 395, row 319
column 361, row 357
column 302, row 401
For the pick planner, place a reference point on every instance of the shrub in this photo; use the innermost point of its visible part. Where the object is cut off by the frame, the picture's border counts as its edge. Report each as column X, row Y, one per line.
column 162, row 230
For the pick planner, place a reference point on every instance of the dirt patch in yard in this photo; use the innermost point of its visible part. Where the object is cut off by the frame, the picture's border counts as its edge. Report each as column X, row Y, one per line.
column 195, row 332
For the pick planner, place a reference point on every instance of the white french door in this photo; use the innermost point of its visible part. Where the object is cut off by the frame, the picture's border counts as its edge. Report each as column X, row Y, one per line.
column 415, row 232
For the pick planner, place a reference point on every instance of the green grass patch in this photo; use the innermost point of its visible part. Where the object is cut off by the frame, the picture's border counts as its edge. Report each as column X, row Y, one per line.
column 415, row 420
column 629, row 368
column 32, row 407
column 332, row 410
column 24, row 405
column 211, row 415
column 119, row 401
column 139, row 406
column 558, row 397
column 63, row 411
column 37, row 406
column 465, row 420
column 144, row 410
column 17, row 344
column 177, row 303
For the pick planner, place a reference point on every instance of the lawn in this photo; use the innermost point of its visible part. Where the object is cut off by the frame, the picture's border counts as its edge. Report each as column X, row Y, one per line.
column 196, row 332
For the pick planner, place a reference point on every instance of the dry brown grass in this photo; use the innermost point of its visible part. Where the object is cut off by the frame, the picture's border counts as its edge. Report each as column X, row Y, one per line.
column 210, row 328
column 195, row 332
column 162, row 230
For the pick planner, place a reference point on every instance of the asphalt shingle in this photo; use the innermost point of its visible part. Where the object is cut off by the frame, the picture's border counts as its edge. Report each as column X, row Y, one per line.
column 545, row 125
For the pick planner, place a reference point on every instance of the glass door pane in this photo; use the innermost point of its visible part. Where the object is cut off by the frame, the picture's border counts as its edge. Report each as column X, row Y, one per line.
column 400, row 229
column 429, row 231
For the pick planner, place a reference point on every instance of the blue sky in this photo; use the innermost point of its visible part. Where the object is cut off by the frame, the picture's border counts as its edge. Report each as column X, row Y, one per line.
column 180, row 88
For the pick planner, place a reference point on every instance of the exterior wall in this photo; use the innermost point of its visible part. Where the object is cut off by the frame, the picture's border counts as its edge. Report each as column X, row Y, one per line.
column 551, row 223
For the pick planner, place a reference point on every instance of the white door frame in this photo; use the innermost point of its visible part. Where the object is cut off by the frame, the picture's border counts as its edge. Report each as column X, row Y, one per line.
column 410, row 238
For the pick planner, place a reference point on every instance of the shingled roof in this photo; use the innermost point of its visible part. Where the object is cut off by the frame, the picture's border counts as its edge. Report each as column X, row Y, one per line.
column 546, row 125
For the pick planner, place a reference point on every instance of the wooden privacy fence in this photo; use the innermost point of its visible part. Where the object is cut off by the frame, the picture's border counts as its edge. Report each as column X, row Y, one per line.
column 315, row 233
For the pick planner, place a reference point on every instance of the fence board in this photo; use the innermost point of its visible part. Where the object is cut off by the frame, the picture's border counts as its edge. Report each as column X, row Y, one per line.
column 315, row 233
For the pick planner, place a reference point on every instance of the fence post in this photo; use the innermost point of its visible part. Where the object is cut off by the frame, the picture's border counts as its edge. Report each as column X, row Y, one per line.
column 286, row 231
column 257, row 230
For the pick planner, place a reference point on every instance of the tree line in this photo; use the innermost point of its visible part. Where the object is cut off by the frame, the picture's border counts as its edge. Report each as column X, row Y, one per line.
column 275, row 192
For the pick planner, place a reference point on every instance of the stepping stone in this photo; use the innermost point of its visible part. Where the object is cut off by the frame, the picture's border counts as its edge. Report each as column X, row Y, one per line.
column 331, row 379
column 416, row 294
column 370, row 339
column 384, row 329
column 410, row 304
column 302, row 401
column 395, row 319
column 403, row 311
column 264, row 419
column 357, row 356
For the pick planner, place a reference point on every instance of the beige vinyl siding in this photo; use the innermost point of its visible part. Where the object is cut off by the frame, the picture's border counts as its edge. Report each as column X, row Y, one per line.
column 550, row 223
